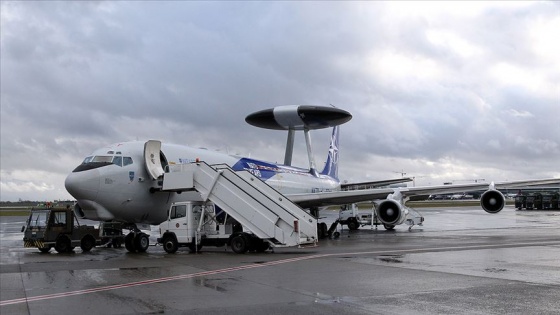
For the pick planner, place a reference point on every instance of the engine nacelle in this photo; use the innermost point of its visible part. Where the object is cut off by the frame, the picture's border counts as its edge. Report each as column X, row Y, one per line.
column 78, row 212
column 492, row 201
column 391, row 212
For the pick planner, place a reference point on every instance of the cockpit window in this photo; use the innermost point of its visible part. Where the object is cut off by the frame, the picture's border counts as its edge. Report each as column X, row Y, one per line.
column 103, row 158
column 127, row 160
column 97, row 161
column 117, row 160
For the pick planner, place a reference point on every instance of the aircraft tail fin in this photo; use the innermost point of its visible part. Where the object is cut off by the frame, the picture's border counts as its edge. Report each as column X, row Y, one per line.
column 331, row 166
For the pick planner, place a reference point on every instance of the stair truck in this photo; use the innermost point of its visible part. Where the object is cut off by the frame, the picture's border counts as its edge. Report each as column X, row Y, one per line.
column 194, row 224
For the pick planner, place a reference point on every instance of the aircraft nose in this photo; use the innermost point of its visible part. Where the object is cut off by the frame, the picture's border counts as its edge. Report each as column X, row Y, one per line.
column 83, row 185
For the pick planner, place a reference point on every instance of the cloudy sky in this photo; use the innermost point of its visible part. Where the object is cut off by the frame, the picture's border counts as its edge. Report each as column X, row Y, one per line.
column 442, row 91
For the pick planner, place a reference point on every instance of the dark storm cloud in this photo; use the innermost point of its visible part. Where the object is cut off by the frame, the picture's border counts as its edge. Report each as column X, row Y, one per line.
column 426, row 86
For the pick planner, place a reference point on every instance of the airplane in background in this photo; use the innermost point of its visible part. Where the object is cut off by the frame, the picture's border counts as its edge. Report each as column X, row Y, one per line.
column 116, row 183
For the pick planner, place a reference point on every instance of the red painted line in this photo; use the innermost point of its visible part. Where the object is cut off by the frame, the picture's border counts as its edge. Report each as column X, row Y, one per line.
column 252, row 266
column 152, row 281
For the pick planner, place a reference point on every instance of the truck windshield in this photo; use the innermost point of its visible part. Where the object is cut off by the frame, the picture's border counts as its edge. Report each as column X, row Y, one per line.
column 179, row 211
column 38, row 218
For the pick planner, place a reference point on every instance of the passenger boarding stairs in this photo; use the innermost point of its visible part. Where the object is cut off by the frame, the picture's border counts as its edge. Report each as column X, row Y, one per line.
column 257, row 206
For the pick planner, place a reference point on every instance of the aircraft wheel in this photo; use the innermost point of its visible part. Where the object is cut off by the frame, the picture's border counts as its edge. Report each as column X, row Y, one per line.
column 240, row 244
column 87, row 243
column 170, row 244
column 353, row 224
column 141, row 242
column 63, row 244
column 45, row 249
column 129, row 242
column 388, row 227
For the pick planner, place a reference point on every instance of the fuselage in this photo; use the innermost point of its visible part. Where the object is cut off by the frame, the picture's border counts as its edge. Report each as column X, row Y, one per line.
column 112, row 183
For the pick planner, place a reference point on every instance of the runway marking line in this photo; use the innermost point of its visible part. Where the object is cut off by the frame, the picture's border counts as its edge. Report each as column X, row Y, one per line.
column 251, row 266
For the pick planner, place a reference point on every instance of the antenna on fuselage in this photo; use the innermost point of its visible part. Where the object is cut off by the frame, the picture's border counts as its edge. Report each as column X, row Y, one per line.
column 298, row 117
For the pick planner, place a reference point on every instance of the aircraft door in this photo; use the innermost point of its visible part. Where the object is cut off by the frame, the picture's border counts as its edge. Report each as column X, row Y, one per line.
column 152, row 158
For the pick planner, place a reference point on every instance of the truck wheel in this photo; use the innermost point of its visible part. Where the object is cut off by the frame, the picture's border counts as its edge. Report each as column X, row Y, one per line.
column 62, row 244
column 87, row 243
column 240, row 244
column 353, row 224
column 262, row 246
column 192, row 248
column 170, row 244
column 141, row 242
column 45, row 249
column 322, row 230
column 388, row 227
column 129, row 242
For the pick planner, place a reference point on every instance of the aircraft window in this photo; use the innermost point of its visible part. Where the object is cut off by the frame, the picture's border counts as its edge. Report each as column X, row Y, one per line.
column 102, row 159
column 117, row 160
column 110, row 152
column 178, row 212
column 127, row 160
column 92, row 162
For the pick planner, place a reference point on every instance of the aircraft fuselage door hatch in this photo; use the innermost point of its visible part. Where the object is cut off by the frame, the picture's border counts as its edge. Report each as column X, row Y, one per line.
column 152, row 158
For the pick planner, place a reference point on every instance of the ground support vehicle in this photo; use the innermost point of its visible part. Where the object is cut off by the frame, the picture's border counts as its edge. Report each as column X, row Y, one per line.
column 255, row 216
column 354, row 218
column 59, row 228
column 520, row 202
column 550, row 200
column 534, row 201
column 195, row 224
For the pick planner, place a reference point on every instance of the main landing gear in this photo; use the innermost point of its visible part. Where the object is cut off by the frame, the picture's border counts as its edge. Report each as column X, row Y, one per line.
column 136, row 241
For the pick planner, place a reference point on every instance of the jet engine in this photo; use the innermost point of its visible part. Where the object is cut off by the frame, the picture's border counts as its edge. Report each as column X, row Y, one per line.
column 391, row 212
column 492, row 201
column 78, row 212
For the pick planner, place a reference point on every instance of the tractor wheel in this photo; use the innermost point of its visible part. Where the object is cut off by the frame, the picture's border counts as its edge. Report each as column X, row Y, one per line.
column 63, row 244
column 45, row 249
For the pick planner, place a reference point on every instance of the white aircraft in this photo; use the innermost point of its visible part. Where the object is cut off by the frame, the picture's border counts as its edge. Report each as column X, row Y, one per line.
column 115, row 183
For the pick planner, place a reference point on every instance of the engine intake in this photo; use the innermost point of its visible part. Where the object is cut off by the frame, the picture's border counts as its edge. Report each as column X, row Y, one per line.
column 78, row 212
column 492, row 201
column 391, row 212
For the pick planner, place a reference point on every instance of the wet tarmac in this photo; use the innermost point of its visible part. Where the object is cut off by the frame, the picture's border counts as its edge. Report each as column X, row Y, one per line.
column 462, row 261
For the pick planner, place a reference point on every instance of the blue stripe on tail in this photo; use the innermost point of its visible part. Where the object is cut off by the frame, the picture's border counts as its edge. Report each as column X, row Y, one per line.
column 331, row 166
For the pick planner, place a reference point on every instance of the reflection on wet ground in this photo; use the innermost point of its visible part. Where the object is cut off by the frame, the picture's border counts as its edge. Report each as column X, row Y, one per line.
column 461, row 261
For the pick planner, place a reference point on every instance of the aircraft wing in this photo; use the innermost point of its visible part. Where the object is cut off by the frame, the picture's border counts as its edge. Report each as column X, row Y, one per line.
column 322, row 199
column 374, row 184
